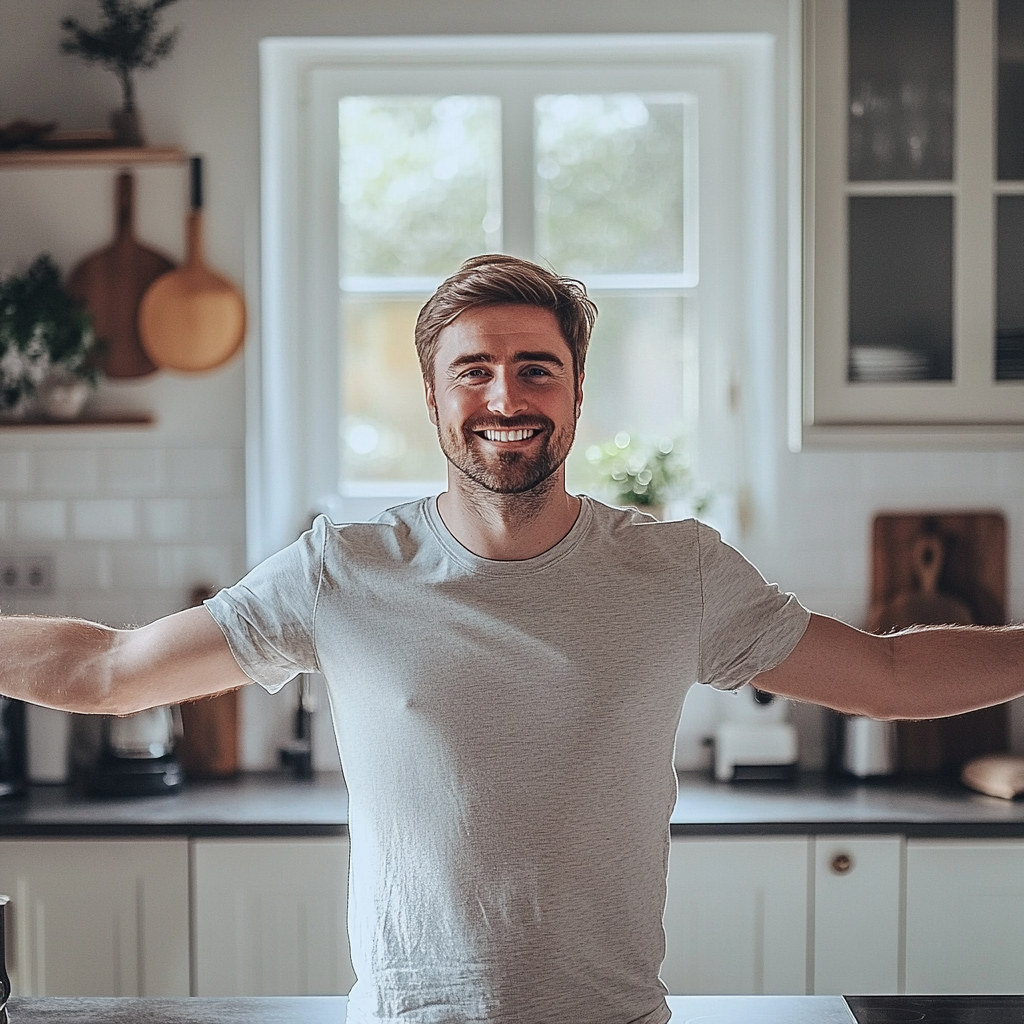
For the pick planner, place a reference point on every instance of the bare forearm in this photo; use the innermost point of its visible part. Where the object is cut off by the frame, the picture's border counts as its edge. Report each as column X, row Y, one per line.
column 61, row 663
column 939, row 671
column 924, row 672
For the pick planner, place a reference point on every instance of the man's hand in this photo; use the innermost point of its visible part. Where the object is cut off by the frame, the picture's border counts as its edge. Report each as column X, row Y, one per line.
column 923, row 672
column 83, row 666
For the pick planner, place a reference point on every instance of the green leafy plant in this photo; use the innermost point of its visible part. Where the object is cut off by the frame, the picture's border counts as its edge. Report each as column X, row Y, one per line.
column 645, row 473
column 126, row 41
column 42, row 329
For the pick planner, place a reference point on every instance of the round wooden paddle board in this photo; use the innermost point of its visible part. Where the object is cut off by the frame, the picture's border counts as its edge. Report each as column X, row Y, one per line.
column 192, row 319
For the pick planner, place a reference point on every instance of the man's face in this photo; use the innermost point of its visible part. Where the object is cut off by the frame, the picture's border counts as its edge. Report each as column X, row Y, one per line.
column 504, row 399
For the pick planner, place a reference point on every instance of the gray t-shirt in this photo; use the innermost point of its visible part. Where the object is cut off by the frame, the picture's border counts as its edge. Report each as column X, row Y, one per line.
column 506, row 730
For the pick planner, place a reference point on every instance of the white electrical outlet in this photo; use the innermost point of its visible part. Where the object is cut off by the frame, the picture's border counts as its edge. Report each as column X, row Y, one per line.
column 26, row 574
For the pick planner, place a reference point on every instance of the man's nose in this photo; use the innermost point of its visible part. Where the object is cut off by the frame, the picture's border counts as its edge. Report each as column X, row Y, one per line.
column 505, row 395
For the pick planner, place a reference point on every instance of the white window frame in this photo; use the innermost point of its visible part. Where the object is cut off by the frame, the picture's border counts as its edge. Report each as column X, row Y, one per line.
column 293, row 388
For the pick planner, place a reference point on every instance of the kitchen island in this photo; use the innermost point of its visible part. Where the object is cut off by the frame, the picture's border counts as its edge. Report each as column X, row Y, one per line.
column 331, row 1010
column 685, row 1010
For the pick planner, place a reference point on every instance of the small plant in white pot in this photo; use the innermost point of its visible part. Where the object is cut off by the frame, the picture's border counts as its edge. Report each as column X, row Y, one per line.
column 647, row 474
column 49, row 354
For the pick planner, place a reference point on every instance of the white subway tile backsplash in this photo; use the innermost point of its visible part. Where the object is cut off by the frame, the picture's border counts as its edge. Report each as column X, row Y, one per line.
column 104, row 519
column 40, row 519
column 136, row 566
column 217, row 519
column 828, row 473
column 15, row 473
column 206, row 472
column 186, row 565
column 67, row 474
column 84, row 567
column 166, row 518
column 1010, row 473
column 132, row 471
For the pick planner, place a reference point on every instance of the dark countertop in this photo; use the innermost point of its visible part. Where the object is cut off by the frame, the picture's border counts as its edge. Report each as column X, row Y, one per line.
column 253, row 804
column 276, row 804
column 819, row 805
column 331, row 1010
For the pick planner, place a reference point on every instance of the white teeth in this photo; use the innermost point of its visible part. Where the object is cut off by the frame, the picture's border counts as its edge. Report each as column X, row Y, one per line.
column 508, row 435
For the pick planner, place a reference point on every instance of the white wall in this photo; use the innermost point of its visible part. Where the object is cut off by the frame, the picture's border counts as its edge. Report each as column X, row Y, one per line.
column 174, row 494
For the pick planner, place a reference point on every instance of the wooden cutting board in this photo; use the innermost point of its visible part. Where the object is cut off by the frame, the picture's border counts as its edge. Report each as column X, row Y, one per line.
column 192, row 319
column 931, row 569
column 111, row 283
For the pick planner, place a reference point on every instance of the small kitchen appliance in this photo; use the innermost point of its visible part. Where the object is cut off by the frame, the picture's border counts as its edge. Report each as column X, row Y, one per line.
column 755, row 742
column 13, row 765
column 136, row 756
column 867, row 747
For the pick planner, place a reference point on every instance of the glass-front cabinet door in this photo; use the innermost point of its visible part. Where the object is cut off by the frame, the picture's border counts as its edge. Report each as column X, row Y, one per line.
column 914, row 214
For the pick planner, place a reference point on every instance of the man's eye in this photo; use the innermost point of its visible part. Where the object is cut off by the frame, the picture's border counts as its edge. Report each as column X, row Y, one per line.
column 536, row 371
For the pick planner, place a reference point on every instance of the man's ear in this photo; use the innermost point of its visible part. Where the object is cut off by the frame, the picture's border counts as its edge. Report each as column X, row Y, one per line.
column 428, row 394
column 579, row 396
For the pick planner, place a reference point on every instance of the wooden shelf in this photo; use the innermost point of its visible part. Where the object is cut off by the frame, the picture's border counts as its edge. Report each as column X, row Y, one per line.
column 105, row 156
column 114, row 420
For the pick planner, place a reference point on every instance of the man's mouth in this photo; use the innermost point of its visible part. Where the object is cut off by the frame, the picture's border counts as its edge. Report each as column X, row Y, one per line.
column 503, row 436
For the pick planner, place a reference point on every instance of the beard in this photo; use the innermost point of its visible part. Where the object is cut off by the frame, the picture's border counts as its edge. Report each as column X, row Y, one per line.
column 506, row 472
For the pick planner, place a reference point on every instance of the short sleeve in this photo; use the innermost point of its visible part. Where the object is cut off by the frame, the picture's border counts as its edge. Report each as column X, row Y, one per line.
column 268, row 617
column 748, row 625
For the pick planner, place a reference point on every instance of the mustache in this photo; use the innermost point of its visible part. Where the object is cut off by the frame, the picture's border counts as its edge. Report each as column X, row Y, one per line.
column 512, row 423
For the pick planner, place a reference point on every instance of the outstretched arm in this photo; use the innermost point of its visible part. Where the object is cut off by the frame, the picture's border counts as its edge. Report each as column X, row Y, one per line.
column 923, row 672
column 82, row 666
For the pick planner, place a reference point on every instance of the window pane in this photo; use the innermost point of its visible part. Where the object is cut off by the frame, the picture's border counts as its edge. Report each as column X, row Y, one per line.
column 901, row 288
column 641, row 376
column 1010, row 103
column 1010, row 288
column 385, row 433
column 901, row 90
column 420, row 183
column 609, row 183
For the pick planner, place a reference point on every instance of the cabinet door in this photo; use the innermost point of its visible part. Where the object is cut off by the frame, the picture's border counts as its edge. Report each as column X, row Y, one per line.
column 914, row 313
column 858, row 894
column 965, row 916
column 736, row 917
column 97, row 917
column 270, row 917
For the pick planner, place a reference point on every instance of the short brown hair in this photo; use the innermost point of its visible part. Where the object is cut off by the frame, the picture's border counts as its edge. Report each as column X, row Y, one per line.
column 498, row 280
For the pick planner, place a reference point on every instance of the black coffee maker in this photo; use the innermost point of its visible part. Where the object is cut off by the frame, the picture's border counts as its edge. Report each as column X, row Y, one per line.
column 13, row 751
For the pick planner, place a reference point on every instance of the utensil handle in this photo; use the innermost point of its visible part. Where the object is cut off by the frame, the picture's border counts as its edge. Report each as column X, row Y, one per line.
column 197, row 182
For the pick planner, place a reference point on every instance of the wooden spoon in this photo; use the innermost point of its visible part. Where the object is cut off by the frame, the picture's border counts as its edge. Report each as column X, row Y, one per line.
column 192, row 319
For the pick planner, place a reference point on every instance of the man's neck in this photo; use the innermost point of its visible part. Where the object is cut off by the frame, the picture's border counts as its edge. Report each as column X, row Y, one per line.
column 507, row 527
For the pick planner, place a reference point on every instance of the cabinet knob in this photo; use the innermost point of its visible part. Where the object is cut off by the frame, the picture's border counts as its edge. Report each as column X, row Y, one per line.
column 841, row 864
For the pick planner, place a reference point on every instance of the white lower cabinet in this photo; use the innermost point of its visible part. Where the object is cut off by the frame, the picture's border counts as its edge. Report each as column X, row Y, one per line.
column 858, row 893
column 736, row 916
column 269, row 917
column 97, row 917
column 965, row 916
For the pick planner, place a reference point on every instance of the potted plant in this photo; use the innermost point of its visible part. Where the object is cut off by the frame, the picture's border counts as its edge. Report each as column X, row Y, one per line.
column 47, row 345
column 645, row 473
column 127, row 41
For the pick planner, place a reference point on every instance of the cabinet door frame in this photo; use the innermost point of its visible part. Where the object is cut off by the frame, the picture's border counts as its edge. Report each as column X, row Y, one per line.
column 973, row 410
column 97, row 917
column 250, row 896
column 726, row 938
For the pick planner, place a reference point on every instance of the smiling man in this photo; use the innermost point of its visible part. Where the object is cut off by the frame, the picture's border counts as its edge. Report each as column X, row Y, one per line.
column 507, row 752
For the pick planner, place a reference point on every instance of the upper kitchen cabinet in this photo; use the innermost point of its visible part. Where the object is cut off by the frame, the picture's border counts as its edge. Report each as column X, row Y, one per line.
column 914, row 218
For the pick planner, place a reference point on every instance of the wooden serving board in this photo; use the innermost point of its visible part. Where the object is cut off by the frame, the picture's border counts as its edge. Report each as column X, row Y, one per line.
column 111, row 283
column 972, row 577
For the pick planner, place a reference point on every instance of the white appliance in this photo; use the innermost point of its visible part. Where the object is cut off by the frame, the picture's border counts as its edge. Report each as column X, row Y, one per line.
column 755, row 742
